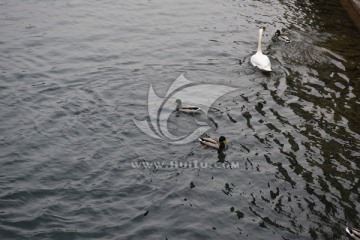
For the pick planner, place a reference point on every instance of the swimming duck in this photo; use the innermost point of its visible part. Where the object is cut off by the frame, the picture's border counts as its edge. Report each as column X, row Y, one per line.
column 259, row 59
column 214, row 143
column 354, row 233
column 186, row 108
column 278, row 36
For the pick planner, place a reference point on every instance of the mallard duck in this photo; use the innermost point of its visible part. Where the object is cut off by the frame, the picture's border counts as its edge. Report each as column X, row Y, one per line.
column 278, row 36
column 354, row 233
column 214, row 143
column 186, row 108
column 259, row 59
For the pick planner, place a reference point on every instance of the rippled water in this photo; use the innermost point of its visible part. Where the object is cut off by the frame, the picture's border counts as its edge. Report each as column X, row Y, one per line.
column 75, row 74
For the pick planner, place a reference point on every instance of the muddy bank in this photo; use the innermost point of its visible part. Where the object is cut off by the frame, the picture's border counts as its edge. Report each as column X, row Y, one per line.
column 353, row 9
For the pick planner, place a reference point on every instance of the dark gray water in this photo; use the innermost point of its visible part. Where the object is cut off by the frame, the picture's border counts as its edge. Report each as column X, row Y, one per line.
column 75, row 74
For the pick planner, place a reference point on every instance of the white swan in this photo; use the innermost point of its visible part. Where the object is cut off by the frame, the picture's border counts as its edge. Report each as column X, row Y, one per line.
column 259, row 59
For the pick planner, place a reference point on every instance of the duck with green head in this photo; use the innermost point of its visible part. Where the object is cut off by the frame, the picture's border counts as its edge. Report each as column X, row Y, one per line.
column 220, row 144
column 279, row 37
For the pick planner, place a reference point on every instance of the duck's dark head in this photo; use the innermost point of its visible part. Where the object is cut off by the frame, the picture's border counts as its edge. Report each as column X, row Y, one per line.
column 178, row 101
column 222, row 139
column 277, row 33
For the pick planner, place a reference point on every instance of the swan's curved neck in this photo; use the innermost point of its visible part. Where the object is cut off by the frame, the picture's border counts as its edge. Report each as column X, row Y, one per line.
column 261, row 30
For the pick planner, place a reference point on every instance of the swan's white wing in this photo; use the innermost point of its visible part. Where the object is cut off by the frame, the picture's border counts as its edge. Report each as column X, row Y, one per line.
column 261, row 61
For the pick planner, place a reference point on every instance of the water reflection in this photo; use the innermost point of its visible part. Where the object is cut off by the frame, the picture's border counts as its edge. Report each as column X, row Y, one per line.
column 324, row 94
column 69, row 97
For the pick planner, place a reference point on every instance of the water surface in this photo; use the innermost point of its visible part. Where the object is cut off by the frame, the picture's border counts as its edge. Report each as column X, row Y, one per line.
column 75, row 74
